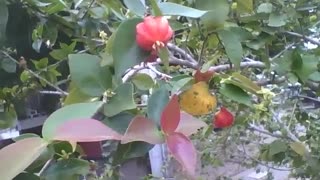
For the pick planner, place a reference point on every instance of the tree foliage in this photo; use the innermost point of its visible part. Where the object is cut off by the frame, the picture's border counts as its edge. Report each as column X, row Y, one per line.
column 249, row 52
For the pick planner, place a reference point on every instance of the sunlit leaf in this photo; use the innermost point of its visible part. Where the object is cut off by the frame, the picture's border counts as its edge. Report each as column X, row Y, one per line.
column 299, row 148
column 198, row 100
column 85, row 130
column 170, row 116
column 19, row 155
column 68, row 113
column 189, row 125
column 142, row 129
column 183, row 151
column 245, row 6
column 169, row 8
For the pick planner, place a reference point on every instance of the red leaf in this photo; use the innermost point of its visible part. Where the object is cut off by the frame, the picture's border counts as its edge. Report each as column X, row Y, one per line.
column 183, row 151
column 142, row 129
column 170, row 116
column 200, row 76
column 85, row 130
column 189, row 125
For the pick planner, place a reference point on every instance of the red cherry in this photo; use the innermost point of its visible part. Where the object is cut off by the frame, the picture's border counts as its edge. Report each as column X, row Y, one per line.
column 223, row 118
column 153, row 33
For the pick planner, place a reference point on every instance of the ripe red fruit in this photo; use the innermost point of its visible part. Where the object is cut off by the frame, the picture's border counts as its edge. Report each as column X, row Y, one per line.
column 223, row 118
column 153, row 33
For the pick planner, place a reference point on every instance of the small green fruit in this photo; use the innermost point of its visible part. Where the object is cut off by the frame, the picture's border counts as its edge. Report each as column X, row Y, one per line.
column 313, row 18
column 234, row 6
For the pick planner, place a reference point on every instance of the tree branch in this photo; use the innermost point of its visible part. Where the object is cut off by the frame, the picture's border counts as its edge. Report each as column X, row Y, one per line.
column 303, row 37
column 36, row 75
column 182, row 52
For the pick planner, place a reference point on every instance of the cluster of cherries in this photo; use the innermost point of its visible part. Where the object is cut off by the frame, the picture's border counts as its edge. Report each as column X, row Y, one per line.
column 153, row 34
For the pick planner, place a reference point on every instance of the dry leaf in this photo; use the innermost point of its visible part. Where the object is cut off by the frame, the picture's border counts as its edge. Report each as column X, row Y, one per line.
column 198, row 100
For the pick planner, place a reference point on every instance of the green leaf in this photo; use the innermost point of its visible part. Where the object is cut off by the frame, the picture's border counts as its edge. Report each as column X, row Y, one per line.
column 63, row 52
column 164, row 56
column 143, row 81
column 8, row 117
column 315, row 76
column 296, row 59
column 131, row 150
column 75, row 95
column 135, row 6
column 277, row 20
column 18, row 156
column 155, row 8
column 236, row 94
column 265, row 8
column 121, row 101
column 181, row 84
column 299, row 148
column 4, row 14
column 119, row 122
column 8, row 65
column 27, row 176
column 232, row 46
column 277, row 146
column 88, row 75
column 309, row 66
column 41, row 64
column 244, row 83
column 67, row 169
column 217, row 14
column 174, row 9
column 68, row 113
column 126, row 52
column 245, row 6
column 156, row 103
column 24, row 136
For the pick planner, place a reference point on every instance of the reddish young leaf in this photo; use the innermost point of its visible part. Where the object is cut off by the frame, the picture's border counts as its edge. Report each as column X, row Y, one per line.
column 200, row 76
column 142, row 129
column 170, row 116
column 189, row 125
column 183, row 151
column 18, row 156
column 85, row 130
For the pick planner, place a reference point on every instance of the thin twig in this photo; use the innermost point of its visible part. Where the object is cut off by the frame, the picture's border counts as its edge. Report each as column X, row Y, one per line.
column 281, row 52
column 163, row 75
column 36, row 75
column 184, row 53
column 45, row 167
column 262, row 131
column 303, row 37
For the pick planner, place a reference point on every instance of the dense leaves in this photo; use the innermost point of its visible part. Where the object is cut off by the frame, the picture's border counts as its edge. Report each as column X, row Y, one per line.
column 85, row 55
